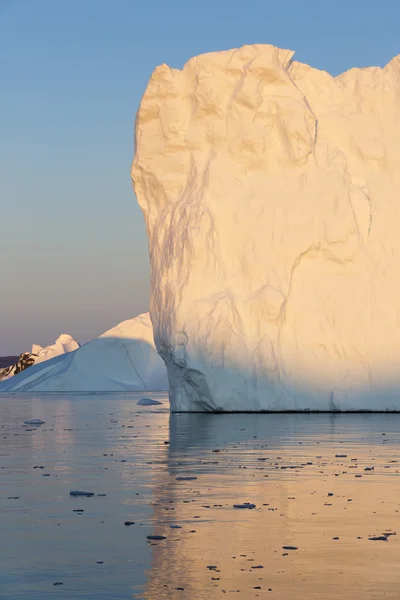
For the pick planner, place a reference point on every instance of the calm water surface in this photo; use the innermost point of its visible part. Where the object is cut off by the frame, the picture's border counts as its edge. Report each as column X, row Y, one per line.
column 313, row 478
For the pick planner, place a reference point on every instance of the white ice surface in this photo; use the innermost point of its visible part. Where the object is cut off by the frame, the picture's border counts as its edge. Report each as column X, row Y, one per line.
column 271, row 193
column 64, row 344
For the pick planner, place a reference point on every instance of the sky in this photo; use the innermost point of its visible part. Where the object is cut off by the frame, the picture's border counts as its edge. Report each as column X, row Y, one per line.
column 73, row 244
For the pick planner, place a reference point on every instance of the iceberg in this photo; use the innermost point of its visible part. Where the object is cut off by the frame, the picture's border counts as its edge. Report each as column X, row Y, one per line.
column 270, row 192
column 148, row 402
column 121, row 359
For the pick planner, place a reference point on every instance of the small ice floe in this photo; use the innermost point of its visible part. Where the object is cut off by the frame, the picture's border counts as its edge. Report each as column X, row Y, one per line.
column 79, row 493
column 245, row 505
column 156, row 537
column 34, row 422
column 148, row 402
column 188, row 478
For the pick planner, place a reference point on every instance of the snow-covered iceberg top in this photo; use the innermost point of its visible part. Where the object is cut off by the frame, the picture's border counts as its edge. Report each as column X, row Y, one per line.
column 121, row 359
column 271, row 196
column 64, row 344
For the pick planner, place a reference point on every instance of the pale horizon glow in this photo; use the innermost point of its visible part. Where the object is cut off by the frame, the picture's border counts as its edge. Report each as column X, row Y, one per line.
column 72, row 237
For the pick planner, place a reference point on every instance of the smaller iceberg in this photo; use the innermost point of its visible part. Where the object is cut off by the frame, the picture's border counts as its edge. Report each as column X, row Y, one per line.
column 123, row 358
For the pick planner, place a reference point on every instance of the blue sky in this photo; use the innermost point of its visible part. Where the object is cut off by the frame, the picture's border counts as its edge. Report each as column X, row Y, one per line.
column 72, row 240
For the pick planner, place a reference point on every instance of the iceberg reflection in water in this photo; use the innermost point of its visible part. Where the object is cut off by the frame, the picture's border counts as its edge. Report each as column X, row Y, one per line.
column 322, row 486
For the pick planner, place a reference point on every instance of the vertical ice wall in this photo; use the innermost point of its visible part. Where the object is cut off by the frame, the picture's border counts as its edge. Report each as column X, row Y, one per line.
column 271, row 193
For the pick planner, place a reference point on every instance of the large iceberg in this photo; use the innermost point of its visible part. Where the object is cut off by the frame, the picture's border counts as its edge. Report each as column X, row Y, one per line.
column 121, row 359
column 271, row 194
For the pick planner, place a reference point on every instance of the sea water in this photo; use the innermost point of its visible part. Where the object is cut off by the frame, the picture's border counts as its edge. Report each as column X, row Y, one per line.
column 318, row 500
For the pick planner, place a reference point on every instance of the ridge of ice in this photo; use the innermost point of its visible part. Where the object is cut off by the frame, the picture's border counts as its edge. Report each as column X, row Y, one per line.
column 270, row 191
column 63, row 344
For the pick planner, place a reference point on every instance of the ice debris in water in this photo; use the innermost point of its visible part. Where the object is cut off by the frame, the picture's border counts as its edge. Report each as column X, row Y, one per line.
column 79, row 493
column 148, row 402
column 34, row 422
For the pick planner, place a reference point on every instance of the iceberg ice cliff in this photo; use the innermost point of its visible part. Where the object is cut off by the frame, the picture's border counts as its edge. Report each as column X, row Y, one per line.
column 271, row 194
column 123, row 358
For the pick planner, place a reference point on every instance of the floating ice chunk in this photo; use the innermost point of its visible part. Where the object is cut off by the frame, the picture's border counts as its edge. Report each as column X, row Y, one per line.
column 148, row 402
column 34, row 422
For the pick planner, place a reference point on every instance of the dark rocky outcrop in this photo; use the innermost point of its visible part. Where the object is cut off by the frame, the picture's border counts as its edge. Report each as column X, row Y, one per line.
column 6, row 361
column 24, row 361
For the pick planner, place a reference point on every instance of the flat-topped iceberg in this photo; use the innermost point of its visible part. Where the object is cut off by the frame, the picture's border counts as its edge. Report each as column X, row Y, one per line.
column 271, row 193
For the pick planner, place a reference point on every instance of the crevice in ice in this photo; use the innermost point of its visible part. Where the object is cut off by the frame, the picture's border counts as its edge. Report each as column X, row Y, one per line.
column 145, row 387
column 310, row 250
